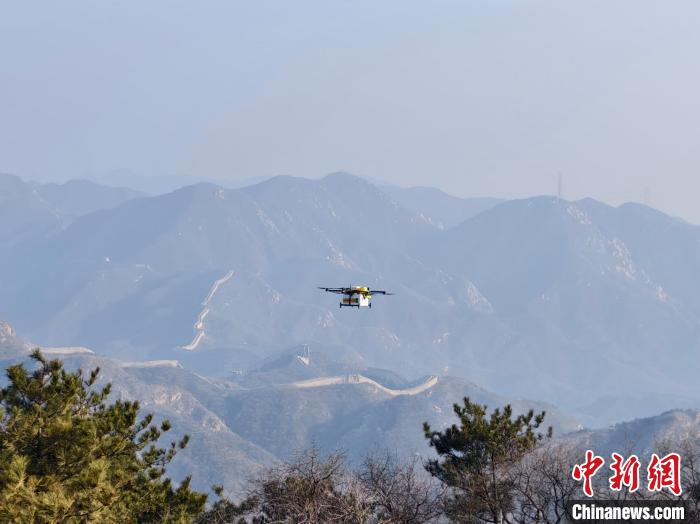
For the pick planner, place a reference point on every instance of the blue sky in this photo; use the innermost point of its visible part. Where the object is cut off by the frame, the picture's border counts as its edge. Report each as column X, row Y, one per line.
column 476, row 97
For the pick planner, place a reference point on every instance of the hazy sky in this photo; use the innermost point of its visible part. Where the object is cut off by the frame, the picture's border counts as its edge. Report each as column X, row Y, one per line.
column 477, row 97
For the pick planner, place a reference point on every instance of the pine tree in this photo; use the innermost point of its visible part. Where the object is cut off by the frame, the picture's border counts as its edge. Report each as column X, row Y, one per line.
column 475, row 459
column 66, row 455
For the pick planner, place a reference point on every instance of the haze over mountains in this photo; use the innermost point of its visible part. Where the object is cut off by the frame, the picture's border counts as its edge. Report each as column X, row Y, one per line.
column 29, row 209
column 567, row 302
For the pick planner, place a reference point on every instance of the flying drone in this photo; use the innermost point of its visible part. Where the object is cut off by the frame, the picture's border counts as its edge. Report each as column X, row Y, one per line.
column 355, row 296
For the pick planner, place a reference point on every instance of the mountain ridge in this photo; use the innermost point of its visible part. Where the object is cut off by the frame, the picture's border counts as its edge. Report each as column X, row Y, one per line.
column 535, row 297
column 237, row 428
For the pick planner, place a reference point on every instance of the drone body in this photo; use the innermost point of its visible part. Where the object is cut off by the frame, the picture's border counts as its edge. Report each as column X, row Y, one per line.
column 355, row 296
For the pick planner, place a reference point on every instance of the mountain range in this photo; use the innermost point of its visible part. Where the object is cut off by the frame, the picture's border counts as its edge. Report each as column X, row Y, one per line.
column 239, row 426
column 252, row 421
column 581, row 304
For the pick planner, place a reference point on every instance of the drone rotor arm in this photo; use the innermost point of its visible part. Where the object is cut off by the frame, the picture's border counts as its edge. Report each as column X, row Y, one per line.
column 338, row 290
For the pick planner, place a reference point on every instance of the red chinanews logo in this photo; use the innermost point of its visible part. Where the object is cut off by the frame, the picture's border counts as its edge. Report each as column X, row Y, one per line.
column 662, row 472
